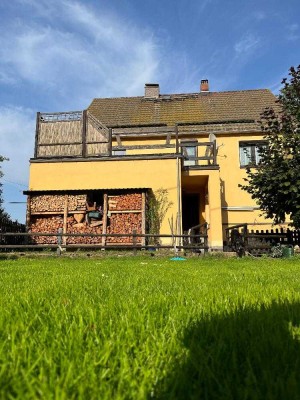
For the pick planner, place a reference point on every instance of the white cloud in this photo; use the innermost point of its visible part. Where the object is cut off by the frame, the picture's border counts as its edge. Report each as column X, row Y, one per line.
column 69, row 53
column 293, row 32
column 86, row 54
column 294, row 27
column 16, row 142
column 246, row 45
column 203, row 4
column 259, row 15
column 7, row 79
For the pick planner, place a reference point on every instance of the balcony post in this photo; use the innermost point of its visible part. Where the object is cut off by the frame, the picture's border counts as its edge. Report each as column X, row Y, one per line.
column 110, row 142
column 214, row 152
column 37, row 132
column 84, row 129
column 176, row 138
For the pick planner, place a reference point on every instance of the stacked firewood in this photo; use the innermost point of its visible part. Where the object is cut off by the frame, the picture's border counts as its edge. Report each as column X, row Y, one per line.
column 120, row 218
column 45, row 225
column 52, row 224
column 73, row 227
column 45, row 202
column 124, row 223
column 131, row 201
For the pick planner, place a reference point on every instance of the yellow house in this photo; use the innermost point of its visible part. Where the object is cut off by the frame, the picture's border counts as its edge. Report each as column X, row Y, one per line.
column 195, row 146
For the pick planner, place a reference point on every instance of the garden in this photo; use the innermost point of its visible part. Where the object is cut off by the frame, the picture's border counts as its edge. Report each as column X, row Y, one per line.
column 122, row 327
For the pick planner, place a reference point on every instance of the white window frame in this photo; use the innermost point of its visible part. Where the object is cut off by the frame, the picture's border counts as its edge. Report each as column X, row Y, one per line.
column 249, row 152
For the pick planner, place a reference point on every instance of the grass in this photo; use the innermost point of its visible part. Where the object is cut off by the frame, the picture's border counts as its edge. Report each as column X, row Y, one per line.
column 142, row 328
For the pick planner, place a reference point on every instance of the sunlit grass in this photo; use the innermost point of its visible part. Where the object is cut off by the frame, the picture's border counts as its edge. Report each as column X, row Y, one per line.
column 137, row 328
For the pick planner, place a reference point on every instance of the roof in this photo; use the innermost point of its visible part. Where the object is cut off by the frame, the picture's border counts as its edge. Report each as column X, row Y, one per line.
column 182, row 108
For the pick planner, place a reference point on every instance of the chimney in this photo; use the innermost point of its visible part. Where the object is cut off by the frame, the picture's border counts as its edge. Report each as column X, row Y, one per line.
column 151, row 90
column 204, row 87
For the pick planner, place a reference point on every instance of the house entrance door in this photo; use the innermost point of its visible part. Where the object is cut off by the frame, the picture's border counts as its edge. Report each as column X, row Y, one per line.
column 190, row 210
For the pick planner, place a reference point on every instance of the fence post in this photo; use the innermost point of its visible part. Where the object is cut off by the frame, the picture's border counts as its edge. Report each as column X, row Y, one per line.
column 134, row 242
column 245, row 229
column 59, row 241
column 206, row 238
column 227, row 239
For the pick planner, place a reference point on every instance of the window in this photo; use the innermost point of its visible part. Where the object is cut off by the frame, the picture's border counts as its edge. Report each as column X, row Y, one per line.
column 119, row 152
column 250, row 153
column 189, row 149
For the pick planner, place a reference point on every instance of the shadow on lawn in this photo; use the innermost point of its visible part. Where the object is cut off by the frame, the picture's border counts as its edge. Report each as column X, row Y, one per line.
column 249, row 354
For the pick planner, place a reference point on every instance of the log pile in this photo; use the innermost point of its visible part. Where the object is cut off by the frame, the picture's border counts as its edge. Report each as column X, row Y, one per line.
column 131, row 201
column 56, row 203
column 73, row 227
column 121, row 219
column 45, row 225
column 124, row 223
column 51, row 224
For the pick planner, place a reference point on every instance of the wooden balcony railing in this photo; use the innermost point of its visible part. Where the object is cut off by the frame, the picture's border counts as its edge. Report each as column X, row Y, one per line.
column 79, row 134
column 198, row 155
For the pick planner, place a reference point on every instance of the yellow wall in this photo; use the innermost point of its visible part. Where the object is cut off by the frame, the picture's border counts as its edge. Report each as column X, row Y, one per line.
column 231, row 174
column 224, row 191
column 127, row 174
column 221, row 185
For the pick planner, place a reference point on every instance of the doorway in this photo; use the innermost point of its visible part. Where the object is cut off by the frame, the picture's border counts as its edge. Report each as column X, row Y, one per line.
column 190, row 210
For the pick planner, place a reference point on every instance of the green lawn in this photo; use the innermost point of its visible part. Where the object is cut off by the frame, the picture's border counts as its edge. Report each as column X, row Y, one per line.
column 142, row 328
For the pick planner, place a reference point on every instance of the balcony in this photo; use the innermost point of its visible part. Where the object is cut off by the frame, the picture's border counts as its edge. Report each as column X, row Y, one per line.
column 79, row 135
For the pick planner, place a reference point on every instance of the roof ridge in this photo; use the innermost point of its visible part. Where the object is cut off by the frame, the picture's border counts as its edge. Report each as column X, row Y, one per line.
column 185, row 94
column 184, row 107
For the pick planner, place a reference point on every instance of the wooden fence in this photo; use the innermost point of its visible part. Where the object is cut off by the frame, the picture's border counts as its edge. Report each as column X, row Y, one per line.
column 195, row 243
column 241, row 239
column 9, row 231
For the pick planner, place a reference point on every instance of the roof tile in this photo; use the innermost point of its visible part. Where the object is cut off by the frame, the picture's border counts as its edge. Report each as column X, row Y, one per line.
column 182, row 108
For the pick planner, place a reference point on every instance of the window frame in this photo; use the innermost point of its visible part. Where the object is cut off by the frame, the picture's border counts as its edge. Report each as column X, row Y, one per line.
column 189, row 144
column 254, row 146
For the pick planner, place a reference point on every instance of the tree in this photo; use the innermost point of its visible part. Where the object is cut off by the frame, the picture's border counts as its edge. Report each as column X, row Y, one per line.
column 275, row 182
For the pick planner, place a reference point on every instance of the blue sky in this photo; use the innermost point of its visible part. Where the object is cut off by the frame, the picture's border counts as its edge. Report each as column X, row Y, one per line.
column 57, row 55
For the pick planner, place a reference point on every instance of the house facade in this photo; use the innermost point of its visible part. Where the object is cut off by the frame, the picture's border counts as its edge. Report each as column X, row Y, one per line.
column 93, row 171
